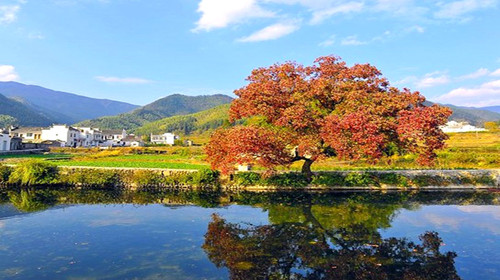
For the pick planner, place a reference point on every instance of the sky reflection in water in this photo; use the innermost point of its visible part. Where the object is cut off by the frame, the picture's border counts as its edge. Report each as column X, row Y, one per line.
column 64, row 235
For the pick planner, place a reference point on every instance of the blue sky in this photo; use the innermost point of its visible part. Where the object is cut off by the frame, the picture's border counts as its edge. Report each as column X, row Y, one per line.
column 139, row 51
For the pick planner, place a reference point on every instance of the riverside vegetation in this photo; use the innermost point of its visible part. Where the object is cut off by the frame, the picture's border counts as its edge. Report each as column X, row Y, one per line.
column 42, row 173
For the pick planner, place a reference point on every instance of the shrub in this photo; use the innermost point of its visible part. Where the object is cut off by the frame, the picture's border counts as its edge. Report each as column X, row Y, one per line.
column 359, row 179
column 485, row 180
column 287, row 180
column 393, row 179
column 328, row 179
column 4, row 173
column 429, row 180
column 145, row 178
column 204, row 177
column 34, row 172
column 247, row 178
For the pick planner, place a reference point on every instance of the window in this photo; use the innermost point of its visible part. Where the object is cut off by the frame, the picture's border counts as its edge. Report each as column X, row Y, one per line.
column 29, row 134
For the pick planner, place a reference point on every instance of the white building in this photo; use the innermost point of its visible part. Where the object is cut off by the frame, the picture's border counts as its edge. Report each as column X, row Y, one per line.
column 113, row 137
column 90, row 137
column 453, row 126
column 27, row 134
column 4, row 141
column 133, row 141
column 64, row 133
column 164, row 139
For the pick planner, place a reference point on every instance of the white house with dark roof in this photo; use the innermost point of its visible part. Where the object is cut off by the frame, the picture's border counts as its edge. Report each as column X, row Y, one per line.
column 64, row 133
column 113, row 137
column 90, row 136
column 27, row 134
column 164, row 139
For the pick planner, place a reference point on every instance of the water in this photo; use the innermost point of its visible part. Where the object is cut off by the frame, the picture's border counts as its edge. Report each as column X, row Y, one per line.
column 78, row 234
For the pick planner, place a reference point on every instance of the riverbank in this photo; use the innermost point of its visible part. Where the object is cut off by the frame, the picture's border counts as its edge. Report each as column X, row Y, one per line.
column 43, row 175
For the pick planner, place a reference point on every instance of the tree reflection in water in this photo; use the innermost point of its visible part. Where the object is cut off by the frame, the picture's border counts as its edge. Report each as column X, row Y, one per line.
column 313, row 243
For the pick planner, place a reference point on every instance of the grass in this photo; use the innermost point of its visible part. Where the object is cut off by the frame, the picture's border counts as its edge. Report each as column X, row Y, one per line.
column 463, row 151
column 123, row 163
column 37, row 156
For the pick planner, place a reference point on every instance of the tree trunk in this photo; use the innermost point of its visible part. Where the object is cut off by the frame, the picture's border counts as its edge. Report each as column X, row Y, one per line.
column 306, row 169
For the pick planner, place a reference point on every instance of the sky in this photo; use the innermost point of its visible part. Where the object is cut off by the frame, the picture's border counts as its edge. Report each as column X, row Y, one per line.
column 138, row 51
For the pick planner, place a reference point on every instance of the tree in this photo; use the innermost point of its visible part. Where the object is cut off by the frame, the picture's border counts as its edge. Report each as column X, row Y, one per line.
column 305, row 113
column 307, row 250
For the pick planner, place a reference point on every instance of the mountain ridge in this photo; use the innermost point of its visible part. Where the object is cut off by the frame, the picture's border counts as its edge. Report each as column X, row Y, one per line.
column 171, row 105
column 63, row 107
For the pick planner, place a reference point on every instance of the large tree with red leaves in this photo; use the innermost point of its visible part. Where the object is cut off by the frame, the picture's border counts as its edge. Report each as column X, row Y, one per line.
column 306, row 113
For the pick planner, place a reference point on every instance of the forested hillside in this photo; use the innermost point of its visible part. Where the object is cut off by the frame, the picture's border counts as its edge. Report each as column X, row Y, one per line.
column 171, row 105
column 14, row 112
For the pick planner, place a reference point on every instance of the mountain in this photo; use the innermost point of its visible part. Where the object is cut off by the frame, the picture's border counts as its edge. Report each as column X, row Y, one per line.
column 62, row 107
column 495, row 109
column 171, row 105
column 196, row 123
column 14, row 112
column 473, row 116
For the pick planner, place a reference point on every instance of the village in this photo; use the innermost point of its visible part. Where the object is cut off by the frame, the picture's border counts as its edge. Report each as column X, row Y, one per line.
column 22, row 139
column 25, row 139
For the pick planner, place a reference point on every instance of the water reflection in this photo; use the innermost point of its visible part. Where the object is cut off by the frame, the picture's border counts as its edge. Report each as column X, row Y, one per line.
column 310, row 250
column 349, row 206
column 360, row 235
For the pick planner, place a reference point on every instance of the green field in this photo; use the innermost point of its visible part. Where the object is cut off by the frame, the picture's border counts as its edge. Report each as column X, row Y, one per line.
column 138, row 161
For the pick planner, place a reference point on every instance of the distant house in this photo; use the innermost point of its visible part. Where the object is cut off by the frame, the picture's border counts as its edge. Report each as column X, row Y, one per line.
column 4, row 141
column 164, row 139
column 70, row 136
column 133, row 141
column 113, row 137
column 453, row 126
column 90, row 136
column 27, row 134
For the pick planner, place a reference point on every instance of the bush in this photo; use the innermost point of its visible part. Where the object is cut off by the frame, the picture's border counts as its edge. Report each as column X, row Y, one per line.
column 205, row 177
column 393, row 179
column 34, row 172
column 328, row 179
column 247, row 178
column 355, row 179
column 4, row 173
column 429, row 180
column 287, row 180
column 145, row 178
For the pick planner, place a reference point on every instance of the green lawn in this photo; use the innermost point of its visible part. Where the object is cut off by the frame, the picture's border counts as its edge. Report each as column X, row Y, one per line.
column 132, row 164
column 36, row 156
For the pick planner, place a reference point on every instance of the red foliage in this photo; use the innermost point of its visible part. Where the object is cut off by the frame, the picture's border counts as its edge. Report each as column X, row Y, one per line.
column 419, row 131
column 325, row 107
column 244, row 145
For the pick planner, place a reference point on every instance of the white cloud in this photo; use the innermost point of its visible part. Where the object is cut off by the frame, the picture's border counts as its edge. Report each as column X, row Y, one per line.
column 495, row 73
column 36, row 35
column 484, row 95
column 322, row 14
column 222, row 13
column 458, row 9
column 352, row 41
column 8, row 73
column 128, row 80
column 481, row 72
column 433, row 79
column 271, row 32
column 416, row 28
column 8, row 13
column 328, row 42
